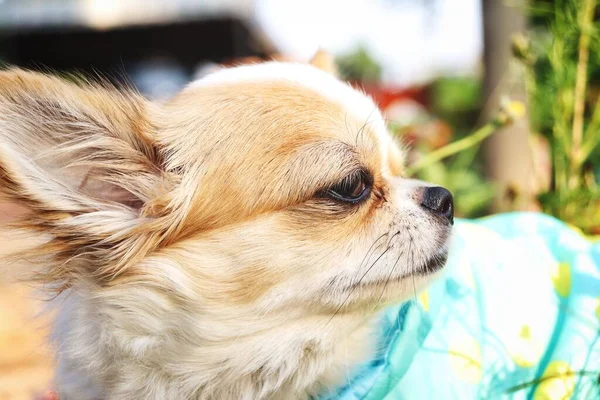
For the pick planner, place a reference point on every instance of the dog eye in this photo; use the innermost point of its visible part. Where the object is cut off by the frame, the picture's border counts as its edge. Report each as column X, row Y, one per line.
column 352, row 189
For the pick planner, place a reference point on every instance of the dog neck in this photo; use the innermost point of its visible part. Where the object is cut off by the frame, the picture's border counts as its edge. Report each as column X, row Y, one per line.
column 106, row 352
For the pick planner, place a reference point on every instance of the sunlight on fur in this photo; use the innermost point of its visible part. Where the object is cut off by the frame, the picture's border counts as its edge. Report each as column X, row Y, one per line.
column 236, row 242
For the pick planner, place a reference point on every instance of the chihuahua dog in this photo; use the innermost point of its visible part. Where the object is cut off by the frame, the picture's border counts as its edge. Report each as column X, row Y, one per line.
column 235, row 242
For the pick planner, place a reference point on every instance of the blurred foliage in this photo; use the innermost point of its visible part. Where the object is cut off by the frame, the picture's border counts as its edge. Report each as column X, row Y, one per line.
column 452, row 95
column 561, row 55
column 359, row 66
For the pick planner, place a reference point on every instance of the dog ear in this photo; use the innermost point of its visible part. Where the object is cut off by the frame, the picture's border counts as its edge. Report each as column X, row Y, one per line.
column 324, row 61
column 81, row 157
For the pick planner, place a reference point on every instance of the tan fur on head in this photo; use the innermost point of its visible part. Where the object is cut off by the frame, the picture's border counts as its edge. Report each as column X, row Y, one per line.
column 199, row 244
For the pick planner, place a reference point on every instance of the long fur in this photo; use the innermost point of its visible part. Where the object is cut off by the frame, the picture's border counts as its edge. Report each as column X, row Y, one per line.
column 189, row 243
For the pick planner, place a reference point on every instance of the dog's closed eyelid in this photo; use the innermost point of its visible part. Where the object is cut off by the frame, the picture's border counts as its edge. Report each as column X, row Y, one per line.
column 353, row 189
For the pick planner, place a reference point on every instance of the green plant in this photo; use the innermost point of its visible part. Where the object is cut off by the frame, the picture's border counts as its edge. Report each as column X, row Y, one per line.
column 561, row 55
column 358, row 65
column 457, row 100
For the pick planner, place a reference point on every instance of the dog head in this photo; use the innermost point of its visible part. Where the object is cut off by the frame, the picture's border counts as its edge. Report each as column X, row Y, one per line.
column 272, row 186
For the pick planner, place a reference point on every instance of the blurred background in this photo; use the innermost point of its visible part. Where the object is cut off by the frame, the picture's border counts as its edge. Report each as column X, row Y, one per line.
column 494, row 99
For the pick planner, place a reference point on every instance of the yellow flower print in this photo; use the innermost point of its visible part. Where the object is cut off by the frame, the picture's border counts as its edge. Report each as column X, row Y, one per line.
column 424, row 300
column 465, row 359
column 558, row 382
column 561, row 278
column 525, row 350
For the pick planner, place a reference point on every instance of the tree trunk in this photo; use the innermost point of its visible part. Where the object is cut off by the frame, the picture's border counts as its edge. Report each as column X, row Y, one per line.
column 507, row 153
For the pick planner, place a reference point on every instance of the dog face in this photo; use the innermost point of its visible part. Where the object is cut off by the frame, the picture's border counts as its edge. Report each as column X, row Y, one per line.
column 298, row 196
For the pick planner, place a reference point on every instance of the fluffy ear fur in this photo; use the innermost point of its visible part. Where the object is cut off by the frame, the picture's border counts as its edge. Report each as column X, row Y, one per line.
column 81, row 157
column 324, row 61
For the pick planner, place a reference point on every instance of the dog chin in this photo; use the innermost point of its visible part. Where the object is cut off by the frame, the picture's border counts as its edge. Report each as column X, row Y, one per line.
column 433, row 264
column 376, row 294
column 426, row 271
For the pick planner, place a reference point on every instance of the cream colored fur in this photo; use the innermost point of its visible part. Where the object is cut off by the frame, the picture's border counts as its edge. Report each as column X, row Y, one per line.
column 193, row 250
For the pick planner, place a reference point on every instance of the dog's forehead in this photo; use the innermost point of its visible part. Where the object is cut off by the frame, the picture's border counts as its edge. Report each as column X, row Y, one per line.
column 359, row 106
column 278, row 106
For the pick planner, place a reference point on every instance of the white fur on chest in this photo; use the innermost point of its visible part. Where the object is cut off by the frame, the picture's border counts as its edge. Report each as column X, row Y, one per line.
column 105, row 352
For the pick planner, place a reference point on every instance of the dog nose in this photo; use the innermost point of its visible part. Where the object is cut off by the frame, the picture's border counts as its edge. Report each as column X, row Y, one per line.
column 439, row 201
